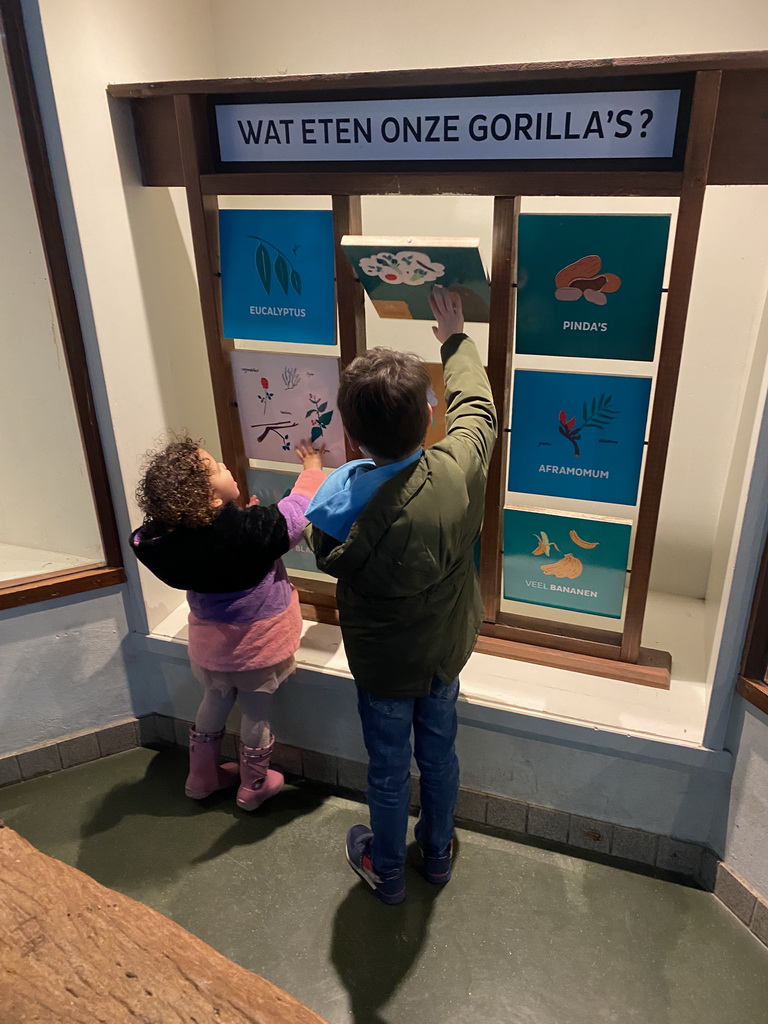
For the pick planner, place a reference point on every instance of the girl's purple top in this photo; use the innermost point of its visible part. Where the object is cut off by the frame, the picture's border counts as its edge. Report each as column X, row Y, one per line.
column 268, row 598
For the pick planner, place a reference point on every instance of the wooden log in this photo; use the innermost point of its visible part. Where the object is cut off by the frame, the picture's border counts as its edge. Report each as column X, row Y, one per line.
column 75, row 952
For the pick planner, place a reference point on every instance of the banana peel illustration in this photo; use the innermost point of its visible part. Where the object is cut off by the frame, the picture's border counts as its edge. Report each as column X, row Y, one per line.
column 582, row 543
column 545, row 545
column 568, row 568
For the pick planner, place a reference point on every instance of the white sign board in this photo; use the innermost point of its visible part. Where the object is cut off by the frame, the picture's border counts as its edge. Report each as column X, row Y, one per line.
column 574, row 126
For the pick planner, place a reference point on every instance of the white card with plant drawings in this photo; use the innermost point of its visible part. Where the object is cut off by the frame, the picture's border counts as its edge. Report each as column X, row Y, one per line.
column 283, row 400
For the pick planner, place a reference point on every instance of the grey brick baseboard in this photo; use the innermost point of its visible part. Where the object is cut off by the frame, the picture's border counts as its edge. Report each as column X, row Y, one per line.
column 691, row 862
column 69, row 751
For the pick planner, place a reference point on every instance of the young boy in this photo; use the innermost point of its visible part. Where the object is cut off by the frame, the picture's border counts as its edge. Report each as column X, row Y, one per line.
column 398, row 530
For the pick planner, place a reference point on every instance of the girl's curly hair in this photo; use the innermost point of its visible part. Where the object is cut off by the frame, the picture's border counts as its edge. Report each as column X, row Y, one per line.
column 174, row 489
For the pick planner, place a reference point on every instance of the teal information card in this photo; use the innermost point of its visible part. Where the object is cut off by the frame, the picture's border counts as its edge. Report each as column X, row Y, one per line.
column 270, row 486
column 277, row 275
column 578, row 435
column 398, row 274
column 577, row 563
column 590, row 286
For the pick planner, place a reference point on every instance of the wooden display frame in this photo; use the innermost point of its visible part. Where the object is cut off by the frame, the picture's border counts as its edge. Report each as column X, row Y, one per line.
column 752, row 684
column 109, row 572
column 727, row 142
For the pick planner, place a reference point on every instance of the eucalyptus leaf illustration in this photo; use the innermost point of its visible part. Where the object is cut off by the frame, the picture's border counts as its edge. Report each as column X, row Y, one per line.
column 264, row 267
column 285, row 272
column 281, row 273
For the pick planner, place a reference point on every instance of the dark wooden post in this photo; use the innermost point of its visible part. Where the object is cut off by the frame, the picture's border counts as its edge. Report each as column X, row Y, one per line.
column 348, row 220
column 500, row 335
column 699, row 147
column 350, row 298
column 191, row 121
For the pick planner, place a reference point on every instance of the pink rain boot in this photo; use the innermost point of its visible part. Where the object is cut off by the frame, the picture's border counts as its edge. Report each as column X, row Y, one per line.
column 206, row 775
column 258, row 782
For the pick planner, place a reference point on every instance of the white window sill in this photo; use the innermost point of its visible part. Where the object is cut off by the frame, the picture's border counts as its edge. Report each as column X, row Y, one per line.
column 17, row 562
column 553, row 704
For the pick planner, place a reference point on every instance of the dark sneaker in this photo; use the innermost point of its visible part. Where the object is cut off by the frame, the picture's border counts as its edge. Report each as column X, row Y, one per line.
column 358, row 854
column 437, row 870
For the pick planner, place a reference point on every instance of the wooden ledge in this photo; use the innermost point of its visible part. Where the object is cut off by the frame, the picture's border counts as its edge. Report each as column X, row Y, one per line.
column 746, row 60
column 62, row 585
column 653, row 669
column 754, row 692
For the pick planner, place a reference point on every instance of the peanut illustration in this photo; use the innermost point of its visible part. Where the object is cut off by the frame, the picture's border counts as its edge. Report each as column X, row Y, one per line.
column 587, row 266
column 584, row 278
column 582, row 543
column 569, row 567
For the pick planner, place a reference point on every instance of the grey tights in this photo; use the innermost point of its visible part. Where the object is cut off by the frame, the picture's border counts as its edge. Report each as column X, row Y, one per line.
column 215, row 708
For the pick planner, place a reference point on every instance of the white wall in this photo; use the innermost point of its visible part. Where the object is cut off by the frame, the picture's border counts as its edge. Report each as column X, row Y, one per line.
column 66, row 667
column 45, row 500
column 296, row 38
column 133, row 243
column 640, row 789
column 747, row 842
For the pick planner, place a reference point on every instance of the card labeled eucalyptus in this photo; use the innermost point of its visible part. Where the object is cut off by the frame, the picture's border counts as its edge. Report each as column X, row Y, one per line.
column 277, row 275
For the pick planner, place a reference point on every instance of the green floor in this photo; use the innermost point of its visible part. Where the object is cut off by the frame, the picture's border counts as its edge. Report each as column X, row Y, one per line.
column 522, row 935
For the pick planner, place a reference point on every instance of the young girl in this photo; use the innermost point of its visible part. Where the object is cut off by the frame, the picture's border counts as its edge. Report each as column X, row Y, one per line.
column 244, row 618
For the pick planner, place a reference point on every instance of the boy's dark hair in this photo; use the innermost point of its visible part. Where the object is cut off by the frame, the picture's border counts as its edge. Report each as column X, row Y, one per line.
column 174, row 488
column 383, row 402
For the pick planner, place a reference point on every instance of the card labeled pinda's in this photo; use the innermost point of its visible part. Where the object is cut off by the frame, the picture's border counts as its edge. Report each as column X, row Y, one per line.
column 590, row 286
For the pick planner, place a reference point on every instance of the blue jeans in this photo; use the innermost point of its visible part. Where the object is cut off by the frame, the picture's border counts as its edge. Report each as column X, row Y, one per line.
column 387, row 725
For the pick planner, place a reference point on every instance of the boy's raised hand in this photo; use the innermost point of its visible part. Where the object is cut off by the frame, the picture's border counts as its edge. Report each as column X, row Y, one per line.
column 446, row 309
column 311, row 458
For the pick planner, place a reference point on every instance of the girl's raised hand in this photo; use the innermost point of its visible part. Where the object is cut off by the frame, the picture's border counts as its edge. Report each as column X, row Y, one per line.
column 311, row 458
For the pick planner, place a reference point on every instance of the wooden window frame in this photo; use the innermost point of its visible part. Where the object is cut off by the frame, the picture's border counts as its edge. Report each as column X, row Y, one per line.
column 752, row 684
column 109, row 571
column 181, row 112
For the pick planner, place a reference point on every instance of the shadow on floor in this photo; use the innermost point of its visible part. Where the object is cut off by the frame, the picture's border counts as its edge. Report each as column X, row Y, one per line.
column 374, row 947
column 187, row 832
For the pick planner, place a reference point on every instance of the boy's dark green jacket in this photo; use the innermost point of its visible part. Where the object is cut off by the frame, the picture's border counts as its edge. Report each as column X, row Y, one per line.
column 408, row 596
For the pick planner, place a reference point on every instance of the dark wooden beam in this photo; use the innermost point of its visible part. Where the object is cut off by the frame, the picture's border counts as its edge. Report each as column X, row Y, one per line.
column 203, row 216
column 673, row 334
column 501, row 332
column 433, row 77
column 476, row 182
column 63, row 585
